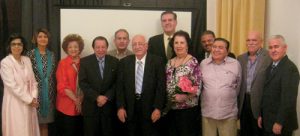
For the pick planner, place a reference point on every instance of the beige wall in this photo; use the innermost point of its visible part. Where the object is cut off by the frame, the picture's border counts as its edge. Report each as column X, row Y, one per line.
column 282, row 17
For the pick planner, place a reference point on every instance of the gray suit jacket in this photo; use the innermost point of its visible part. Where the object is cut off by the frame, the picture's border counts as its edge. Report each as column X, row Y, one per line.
column 257, row 83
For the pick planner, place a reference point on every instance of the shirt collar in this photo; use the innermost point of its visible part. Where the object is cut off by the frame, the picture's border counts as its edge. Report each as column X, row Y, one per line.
column 143, row 59
column 258, row 52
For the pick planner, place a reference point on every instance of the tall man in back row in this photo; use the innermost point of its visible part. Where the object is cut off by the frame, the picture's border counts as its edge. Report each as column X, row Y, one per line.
column 279, row 100
column 159, row 44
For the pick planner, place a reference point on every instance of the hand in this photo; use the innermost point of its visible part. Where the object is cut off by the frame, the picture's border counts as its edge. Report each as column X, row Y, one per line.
column 122, row 115
column 277, row 128
column 155, row 115
column 259, row 122
column 180, row 98
column 78, row 102
column 101, row 100
column 34, row 103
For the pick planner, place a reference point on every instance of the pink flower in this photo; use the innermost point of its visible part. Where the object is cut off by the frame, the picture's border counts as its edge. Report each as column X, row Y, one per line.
column 186, row 85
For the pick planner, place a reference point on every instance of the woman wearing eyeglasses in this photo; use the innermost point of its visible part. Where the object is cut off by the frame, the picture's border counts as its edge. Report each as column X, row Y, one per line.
column 19, row 116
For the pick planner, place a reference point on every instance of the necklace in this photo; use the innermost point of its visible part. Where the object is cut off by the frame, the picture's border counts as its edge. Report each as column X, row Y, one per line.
column 179, row 62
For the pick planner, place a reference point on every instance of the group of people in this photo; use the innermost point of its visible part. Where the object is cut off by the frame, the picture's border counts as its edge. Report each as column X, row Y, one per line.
column 158, row 88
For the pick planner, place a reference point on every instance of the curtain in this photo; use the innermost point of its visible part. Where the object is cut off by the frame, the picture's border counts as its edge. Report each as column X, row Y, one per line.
column 235, row 18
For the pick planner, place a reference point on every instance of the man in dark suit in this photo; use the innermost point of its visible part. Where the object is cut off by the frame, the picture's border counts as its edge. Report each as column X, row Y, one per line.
column 159, row 44
column 97, row 77
column 141, row 90
column 207, row 39
column 278, row 109
column 254, row 64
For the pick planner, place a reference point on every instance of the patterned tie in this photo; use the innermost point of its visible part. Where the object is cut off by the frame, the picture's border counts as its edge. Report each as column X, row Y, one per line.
column 101, row 66
column 139, row 78
column 169, row 49
column 273, row 68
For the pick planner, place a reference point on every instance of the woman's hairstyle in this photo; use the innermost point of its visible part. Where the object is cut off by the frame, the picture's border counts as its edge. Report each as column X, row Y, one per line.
column 36, row 33
column 13, row 37
column 70, row 38
column 186, row 37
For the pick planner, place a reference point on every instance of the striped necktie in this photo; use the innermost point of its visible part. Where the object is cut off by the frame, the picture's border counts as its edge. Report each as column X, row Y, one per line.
column 139, row 77
column 101, row 66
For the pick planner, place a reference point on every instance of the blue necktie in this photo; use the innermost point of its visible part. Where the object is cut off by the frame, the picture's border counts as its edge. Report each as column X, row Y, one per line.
column 139, row 77
column 101, row 66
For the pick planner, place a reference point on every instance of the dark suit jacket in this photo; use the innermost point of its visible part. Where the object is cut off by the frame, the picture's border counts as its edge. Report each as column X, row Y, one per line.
column 257, row 85
column 280, row 96
column 153, row 90
column 157, row 47
column 93, row 85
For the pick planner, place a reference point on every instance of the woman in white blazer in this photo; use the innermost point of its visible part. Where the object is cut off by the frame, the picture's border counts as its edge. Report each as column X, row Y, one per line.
column 19, row 116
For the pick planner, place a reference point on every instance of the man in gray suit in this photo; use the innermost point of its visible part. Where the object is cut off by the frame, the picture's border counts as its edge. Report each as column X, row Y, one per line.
column 278, row 108
column 254, row 64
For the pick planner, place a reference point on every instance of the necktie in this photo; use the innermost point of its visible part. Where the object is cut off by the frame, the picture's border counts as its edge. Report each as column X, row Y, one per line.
column 273, row 68
column 101, row 66
column 169, row 49
column 139, row 77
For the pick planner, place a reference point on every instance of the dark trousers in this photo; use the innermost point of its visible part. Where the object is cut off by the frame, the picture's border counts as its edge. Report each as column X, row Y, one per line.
column 283, row 134
column 69, row 125
column 249, row 125
column 101, row 124
column 140, row 125
column 184, row 122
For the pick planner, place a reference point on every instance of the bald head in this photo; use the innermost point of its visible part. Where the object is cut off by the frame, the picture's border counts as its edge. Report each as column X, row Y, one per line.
column 139, row 46
column 254, row 42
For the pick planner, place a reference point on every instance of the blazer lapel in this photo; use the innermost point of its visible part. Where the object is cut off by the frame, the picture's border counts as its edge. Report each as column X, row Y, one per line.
column 259, row 64
column 96, row 67
column 131, row 72
column 163, row 50
column 276, row 70
column 147, row 68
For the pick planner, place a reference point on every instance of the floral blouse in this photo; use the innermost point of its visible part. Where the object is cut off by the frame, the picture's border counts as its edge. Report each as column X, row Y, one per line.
column 191, row 69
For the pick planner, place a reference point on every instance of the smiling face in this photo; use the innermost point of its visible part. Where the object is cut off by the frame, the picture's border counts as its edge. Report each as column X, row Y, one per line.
column 100, row 48
column 219, row 51
column 42, row 39
column 254, row 42
column 168, row 23
column 16, row 47
column 277, row 49
column 73, row 49
column 180, row 46
column 139, row 46
column 207, row 41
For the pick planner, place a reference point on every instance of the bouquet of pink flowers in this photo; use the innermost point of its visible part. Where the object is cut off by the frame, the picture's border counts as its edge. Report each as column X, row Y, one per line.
column 185, row 86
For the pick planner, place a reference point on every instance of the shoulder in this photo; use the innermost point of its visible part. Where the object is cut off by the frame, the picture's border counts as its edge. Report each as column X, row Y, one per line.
column 242, row 56
column 87, row 58
column 111, row 58
column 156, row 37
column 112, row 52
column 30, row 53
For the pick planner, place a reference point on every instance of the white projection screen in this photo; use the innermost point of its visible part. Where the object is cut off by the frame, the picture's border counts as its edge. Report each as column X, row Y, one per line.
column 90, row 23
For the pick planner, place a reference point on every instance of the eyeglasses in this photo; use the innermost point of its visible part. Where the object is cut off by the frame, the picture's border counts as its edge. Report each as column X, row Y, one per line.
column 16, row 44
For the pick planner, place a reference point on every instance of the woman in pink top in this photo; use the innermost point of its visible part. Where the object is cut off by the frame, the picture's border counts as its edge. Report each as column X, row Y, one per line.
column 69, row 95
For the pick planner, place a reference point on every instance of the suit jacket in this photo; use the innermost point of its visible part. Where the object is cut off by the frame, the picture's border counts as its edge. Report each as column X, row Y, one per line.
column 257, row 85
column 93, row 85
column 157, row 47
column 280, row 96
column 153, row 90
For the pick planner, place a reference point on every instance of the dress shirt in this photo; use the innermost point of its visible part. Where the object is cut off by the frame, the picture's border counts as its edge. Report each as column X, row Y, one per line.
column 251, row 66
column 143, row 60
column 119, row 55
column 166, row 42
column 66, row 77
column 221, row 83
